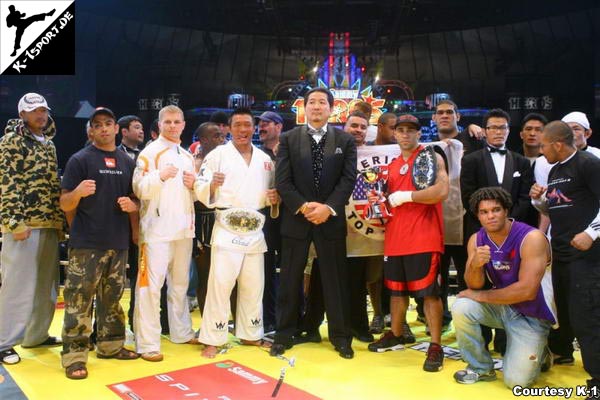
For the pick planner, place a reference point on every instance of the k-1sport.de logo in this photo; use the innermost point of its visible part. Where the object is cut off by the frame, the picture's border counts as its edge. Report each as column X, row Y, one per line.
column 37, row 37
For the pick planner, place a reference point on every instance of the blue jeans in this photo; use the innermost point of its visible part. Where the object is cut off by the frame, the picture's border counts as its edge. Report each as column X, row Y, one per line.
column 526, row 339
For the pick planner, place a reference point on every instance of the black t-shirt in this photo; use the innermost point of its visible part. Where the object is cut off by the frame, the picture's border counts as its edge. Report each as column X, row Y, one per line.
column 99, row 222
column 470, row 144
column 573, row 200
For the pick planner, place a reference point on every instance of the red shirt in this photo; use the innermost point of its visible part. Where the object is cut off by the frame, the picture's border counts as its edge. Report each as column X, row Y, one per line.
column 414, row 228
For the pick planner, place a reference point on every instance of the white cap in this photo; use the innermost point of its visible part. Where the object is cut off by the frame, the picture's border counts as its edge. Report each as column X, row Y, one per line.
column 577, row 117
column 31, row 101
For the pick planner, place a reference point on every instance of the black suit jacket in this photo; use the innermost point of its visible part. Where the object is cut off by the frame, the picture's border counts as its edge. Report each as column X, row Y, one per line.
column 295, row 184
column 478, row 171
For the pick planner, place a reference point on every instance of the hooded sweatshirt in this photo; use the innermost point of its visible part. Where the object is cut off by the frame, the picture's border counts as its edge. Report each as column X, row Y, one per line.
column 29, row 183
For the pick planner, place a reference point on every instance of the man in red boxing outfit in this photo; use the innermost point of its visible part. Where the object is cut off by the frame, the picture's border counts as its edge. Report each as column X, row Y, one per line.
column 414, row 239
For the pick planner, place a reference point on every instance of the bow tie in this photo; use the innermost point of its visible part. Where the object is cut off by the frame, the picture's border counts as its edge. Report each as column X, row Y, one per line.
column 496, row 150
column 312, row 132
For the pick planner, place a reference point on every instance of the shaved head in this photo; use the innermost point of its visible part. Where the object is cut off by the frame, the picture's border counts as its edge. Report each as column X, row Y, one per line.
column 558, row 131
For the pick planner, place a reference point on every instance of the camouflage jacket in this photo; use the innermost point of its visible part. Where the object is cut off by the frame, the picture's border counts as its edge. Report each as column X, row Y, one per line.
column 29, row 183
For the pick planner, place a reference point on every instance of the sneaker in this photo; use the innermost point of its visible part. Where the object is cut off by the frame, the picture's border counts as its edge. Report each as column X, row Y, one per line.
column 468, row 376
column 377, row 324
column 435, row 358
column 387, row 342
column 563, row 360
column 407, row 334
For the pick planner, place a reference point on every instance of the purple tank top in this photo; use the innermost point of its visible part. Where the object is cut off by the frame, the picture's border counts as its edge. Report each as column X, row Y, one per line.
column 503, row 270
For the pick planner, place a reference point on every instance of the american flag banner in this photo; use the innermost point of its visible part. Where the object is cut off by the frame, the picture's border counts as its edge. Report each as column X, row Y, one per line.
column 361, row 189
column 365, row 236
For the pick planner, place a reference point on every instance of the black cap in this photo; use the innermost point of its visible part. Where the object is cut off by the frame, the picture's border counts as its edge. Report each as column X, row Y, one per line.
column 102, row 110
column 408, row 119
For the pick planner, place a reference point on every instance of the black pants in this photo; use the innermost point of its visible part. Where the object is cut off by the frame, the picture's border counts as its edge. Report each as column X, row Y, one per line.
column 272, row 262
column 333, row 268
column 459, row 255
column 560, row 340
column 270, row 290
column 202, row 262
column 584, row 312
column 314, row 310
column 315, row 305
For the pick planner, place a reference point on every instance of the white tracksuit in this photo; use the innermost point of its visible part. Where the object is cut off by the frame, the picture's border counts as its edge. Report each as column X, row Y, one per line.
column 166, row 233
column 234, row 256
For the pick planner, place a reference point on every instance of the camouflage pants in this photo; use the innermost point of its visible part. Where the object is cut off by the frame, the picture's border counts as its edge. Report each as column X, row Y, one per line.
column 100, row 273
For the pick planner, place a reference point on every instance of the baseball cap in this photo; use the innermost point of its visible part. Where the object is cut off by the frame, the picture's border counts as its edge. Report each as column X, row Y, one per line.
column 577, row 117
column 408, row 119
column 31, row 101
column 102, row 110
column 270, row 116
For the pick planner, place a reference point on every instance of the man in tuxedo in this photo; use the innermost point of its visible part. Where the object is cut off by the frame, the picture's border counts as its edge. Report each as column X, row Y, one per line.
column 315, row 175
column 495, row 165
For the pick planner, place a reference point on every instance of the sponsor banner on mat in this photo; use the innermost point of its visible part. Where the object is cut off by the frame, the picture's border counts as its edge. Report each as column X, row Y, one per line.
column 223, row 380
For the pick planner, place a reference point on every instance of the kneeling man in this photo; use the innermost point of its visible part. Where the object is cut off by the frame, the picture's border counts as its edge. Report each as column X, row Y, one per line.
column 516, row 258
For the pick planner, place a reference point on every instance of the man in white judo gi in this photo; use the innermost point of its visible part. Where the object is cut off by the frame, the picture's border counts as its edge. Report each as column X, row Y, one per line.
column 163, row 181
column 237, row 180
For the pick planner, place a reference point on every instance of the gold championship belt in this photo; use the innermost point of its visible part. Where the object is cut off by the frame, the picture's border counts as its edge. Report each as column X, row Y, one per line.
column 241, row 221
column 425, row 168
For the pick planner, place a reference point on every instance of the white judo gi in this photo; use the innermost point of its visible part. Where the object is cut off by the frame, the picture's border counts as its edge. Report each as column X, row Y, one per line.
column 237, row 241
column 166, row 233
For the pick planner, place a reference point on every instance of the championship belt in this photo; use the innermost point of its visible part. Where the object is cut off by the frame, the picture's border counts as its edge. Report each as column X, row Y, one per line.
column 425, row 168
column 241, row 221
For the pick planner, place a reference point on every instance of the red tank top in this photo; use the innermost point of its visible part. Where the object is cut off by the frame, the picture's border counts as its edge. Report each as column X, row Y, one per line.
column 414, row 228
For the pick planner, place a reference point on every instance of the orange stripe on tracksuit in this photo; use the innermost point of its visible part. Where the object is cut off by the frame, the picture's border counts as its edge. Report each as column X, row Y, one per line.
column 158, row 155
column 142, row 280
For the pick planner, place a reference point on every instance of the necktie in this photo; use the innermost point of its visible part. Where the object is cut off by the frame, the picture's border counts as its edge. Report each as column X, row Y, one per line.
column 497, row 150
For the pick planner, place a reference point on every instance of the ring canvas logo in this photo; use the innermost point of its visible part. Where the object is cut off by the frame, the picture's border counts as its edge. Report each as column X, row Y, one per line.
column 37, row 37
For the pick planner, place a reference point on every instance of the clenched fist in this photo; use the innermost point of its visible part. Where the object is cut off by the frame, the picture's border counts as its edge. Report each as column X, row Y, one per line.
column 536, row 191
column 86, row 188
column 127, row 205
column 482, row 255
column 189, row 179
column 168, row 172
column 218, row 179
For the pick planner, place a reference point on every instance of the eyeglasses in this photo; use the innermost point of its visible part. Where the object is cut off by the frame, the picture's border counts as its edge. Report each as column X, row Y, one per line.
column 442, row 112
column 500, row 128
